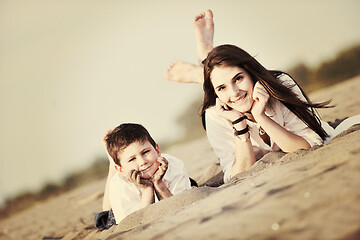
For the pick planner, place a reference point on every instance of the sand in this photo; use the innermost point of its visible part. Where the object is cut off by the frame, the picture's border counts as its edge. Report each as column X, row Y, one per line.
column 311, row 194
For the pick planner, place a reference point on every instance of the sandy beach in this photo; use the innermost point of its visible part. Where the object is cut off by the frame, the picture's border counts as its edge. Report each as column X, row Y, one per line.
column 312, row 194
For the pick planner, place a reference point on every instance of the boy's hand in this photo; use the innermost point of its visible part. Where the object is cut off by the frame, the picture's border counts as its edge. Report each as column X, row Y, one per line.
column 159, row 174
column 161, row 190
column 134, row 177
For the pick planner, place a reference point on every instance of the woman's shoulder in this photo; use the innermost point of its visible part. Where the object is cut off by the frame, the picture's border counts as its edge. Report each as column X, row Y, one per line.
column 210, row 113
column 210, row 110
column 286, row 79
column 211, row 117
column 290, row 83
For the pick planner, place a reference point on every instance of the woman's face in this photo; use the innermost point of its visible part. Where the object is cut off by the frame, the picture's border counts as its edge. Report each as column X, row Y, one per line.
column 234, row 86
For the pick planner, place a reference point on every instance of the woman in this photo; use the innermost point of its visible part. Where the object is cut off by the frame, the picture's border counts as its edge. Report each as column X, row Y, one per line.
column 249, row 110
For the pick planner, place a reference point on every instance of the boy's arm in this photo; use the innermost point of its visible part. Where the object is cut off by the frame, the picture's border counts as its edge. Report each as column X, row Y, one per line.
column 145, row 186
column 161, row 190
column 147, row 197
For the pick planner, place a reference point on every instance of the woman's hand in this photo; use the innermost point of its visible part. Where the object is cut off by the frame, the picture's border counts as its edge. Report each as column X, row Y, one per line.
column 224, row 111
column 261, row 97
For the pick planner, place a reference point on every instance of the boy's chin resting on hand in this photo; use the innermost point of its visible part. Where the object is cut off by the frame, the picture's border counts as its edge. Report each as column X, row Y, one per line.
column 160, row 172
column 141, row 183
column 161, row 190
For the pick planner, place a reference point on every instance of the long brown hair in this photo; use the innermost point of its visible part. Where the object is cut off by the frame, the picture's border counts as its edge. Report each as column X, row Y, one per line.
column 233, row 56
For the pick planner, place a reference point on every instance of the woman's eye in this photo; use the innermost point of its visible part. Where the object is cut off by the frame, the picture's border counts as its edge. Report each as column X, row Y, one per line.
column 131, row 159
column 146, row 152
column 238, row 78
column 220, row 89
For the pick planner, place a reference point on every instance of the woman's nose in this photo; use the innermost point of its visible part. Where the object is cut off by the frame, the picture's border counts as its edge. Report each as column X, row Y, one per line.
column 233, row 92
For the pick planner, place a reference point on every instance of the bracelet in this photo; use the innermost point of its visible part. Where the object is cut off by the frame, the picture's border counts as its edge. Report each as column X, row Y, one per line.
column 239, row 120
column 244, row 138
column 241, row 132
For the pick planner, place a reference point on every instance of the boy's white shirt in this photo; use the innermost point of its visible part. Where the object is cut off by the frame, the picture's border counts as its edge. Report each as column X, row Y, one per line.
column 125, row 198
column 221, row 134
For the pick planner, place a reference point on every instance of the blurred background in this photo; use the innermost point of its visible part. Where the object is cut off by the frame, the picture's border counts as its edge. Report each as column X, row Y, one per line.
column 71, row 70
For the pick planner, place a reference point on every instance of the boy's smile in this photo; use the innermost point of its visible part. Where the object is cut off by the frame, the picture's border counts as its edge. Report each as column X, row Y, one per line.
column 141, row 157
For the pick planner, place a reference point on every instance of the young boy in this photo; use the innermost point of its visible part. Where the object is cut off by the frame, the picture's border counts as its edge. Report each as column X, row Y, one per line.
column 139, row 174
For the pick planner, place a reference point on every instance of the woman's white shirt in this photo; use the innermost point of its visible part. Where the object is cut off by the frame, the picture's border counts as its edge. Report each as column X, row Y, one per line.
column 221, row 134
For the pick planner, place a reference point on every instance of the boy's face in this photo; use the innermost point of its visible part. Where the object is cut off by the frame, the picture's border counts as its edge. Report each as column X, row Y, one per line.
column 141, row 157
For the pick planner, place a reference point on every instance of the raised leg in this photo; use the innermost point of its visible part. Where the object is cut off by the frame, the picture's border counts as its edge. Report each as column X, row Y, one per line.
column 204, row 33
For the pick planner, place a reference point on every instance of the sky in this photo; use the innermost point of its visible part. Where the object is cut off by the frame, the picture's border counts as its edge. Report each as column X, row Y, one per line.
column 71, row 70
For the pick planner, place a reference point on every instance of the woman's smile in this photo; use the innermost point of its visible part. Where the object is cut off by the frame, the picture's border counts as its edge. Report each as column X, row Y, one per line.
column 242, row 103
column 241, row 97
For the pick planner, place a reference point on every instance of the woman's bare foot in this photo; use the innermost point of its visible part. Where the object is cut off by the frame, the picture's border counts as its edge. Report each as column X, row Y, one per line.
column 204, row 33
column 184, row 72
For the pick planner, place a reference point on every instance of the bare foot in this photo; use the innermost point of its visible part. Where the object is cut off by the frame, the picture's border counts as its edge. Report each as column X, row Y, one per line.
column 204, row 33
column 184, row 72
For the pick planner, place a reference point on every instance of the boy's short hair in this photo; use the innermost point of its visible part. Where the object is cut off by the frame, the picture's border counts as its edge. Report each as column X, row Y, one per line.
column 124, row 135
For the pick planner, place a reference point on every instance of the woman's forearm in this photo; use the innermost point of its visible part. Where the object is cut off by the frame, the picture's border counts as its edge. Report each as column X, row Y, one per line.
column 244, row 154
column 286, row 140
